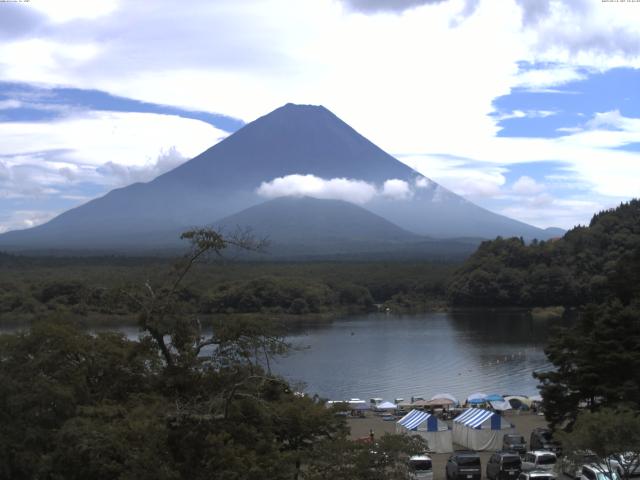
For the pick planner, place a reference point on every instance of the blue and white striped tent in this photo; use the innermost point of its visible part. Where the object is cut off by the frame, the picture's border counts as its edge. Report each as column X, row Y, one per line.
column 429, row 427
column 480, row 429
column 414, row 418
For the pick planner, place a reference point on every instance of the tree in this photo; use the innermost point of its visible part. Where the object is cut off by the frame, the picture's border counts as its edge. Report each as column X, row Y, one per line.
column 77, row 405
column 181, row 339
column 345, row 460
column 606, row 433
column 597, row 364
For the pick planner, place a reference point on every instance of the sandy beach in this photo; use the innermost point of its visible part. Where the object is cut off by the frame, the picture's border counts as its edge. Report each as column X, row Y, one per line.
column 524, row 423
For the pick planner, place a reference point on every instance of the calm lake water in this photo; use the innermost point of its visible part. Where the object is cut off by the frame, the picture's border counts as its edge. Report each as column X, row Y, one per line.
column 389, row 356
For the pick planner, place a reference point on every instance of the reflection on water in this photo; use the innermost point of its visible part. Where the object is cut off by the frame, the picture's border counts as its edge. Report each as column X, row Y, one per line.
column 393, row 356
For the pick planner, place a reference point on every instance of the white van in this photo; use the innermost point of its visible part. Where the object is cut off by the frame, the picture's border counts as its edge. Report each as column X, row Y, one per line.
column 539, row 460
column 420, row 467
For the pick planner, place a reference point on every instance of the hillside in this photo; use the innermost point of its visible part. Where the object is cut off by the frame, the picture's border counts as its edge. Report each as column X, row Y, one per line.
column 580, row 267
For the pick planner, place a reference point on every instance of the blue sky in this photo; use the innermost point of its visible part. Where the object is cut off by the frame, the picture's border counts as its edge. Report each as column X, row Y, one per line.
column 503, row 102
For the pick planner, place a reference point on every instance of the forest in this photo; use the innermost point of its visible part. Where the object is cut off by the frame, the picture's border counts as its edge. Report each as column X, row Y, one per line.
column 574, row 270
column 94, row 289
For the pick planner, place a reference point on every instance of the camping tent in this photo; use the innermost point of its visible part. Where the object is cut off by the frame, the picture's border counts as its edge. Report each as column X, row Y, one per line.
column 480, row 429
column 518, row 402
column 429, row 427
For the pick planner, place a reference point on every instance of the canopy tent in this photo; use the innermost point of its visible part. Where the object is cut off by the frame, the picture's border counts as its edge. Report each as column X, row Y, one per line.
column 494, row 397
column 480, row 429
column 386, row 406
column 429, row 427
column 477, row 398
column 448, row 396
column 357, row 404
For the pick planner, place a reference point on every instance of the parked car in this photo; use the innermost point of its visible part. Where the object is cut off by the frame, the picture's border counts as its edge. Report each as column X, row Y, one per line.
column 629, row 462
column 504, row 466
column 541, row 440
column 420, row 467
column 537, row 475
column 464, row 465
column 598, row 472
column 514, row 442
column 539, row 460
column 571, row 465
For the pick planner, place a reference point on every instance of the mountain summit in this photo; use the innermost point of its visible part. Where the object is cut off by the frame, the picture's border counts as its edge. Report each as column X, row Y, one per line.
column 298, row 150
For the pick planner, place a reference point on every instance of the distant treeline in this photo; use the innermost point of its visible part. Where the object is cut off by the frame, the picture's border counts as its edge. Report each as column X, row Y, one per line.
column 96, row 289
column 582, row 267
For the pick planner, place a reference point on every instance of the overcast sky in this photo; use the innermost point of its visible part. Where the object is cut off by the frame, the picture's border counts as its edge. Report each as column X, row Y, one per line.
column 530, row 108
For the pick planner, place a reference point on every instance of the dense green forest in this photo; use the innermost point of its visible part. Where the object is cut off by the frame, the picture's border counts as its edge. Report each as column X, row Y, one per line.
column 571, row 271
column 96, row 289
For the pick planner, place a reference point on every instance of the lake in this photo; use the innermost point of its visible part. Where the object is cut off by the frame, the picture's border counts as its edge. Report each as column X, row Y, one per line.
column 390, row 356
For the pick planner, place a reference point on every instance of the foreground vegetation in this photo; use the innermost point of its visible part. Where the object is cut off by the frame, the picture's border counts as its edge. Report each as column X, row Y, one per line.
column 75, row 405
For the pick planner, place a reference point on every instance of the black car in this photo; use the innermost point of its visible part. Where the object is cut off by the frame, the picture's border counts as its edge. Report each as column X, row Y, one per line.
column 504, row 466
column 514, row 442
column 464, row 465
column 541, row 440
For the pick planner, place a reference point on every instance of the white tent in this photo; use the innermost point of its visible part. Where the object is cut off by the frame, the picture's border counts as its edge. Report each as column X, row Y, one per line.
column 500, row 406
column 429, row 427
column 386, row 406
column 480, row 429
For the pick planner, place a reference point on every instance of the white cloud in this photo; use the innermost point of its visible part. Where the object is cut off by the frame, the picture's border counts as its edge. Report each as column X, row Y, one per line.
column 397, row 189
column 387, row 5
column 7, row 104
column 20, row 219
column 551, row 76
column 612, row 119
column 566, row 213
column 526, row 186
column 423, row 182
column 96, row 138
column 355, row 191
column 350, row 190
column 463, row 176
column 62, row 11
column 526, row 114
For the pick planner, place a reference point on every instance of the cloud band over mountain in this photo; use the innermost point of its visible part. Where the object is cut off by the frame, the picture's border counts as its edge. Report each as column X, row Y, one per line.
column 350, row 190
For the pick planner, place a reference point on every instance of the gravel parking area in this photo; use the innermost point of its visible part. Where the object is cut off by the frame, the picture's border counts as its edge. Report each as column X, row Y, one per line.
column 524, row 423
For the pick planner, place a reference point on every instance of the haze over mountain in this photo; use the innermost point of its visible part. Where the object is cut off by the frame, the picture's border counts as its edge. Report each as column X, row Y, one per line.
column 297, row 150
